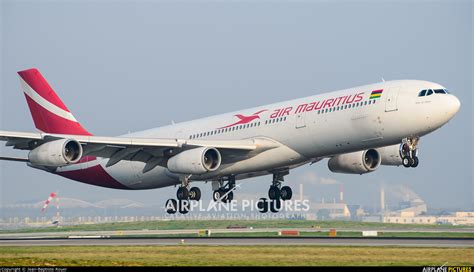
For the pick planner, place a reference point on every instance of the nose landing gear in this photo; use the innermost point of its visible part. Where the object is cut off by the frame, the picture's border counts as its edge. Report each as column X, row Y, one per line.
column 409, row 152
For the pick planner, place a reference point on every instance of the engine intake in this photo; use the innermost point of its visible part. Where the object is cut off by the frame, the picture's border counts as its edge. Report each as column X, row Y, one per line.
column 359, row 162
column 195, row 161
column 56, row 153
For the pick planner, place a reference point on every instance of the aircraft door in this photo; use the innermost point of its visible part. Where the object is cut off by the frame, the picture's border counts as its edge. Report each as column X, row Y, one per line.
column 300, row 120
column 391, row 99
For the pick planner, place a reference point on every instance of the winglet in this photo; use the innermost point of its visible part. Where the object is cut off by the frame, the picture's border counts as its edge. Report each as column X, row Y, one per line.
column 49, row 113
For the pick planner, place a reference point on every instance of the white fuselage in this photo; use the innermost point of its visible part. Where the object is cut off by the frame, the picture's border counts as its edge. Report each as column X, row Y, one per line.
column 307, row 129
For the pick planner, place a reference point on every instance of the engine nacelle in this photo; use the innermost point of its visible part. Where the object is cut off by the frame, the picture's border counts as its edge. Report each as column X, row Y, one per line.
column 360, row 162
column 195, row 161
column 390, row 155
column 56, row 153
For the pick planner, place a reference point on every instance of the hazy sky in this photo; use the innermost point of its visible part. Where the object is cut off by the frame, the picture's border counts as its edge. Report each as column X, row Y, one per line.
column 125, row 66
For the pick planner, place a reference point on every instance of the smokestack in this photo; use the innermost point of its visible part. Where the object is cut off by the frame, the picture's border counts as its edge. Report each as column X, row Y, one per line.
column 301, row 192
column 341, row 193
column 382, row 199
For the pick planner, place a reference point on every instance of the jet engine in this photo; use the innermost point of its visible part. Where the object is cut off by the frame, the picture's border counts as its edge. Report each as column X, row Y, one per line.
column 195, row 161
column 390, row 155
column 360, row 162
column 56, row 153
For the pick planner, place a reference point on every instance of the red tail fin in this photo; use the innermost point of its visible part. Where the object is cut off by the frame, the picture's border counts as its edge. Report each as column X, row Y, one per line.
column 48, row 111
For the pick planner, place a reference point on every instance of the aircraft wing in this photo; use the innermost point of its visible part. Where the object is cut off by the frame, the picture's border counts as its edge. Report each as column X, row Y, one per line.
column 148, row 150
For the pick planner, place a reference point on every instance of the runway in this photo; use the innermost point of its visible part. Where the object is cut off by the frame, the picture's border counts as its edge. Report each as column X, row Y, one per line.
column 62, row 234
column 218, row 241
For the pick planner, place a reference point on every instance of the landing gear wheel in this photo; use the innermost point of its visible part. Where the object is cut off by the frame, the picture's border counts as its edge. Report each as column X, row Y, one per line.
column 182, row 193
column 195, row 194
column 409, row 151
column 274, row 192
column 415, row 162
column 286, row 193
column 184, row 206
column 262, row 205
column 407, row 162
column 171, row 206
column 275, row 205
column 229, row 197
column 218, row 194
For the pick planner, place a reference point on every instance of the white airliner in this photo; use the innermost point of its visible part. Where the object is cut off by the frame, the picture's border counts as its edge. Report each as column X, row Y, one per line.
column 357, row 129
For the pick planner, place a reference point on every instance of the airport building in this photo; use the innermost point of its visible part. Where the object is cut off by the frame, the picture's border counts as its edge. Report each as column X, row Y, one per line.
column 458, row 218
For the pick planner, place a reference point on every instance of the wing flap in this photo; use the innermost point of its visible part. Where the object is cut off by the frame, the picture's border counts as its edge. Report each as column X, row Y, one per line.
column 18, row 159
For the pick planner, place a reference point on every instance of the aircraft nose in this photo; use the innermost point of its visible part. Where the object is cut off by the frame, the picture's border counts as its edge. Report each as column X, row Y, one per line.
column 453, row 105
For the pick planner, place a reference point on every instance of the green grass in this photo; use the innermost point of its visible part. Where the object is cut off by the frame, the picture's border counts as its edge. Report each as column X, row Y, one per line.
column 222, row 224
column 184, row 255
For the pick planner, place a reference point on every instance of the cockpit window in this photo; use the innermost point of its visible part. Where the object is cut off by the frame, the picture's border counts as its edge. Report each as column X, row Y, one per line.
column 431, row 91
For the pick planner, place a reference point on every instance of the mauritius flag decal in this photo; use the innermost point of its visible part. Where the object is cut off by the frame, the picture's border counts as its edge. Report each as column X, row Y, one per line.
column 376, row 94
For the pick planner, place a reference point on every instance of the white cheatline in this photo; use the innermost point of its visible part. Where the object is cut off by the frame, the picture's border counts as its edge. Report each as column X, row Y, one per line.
column 45, row 103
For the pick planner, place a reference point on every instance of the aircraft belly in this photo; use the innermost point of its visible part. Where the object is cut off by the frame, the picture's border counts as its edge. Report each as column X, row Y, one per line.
column 279, row 157
column 130, row 174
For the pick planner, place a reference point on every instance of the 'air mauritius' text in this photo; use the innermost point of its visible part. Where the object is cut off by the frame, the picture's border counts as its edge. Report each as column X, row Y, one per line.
column 318, row 105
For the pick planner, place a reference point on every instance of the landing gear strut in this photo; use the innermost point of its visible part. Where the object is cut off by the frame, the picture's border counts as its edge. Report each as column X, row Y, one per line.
column 225, row 191
column 276, row 194
column 409, row 151
column 184, row 195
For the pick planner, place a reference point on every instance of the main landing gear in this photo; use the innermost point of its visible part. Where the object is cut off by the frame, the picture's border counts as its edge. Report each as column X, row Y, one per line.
column 276, row 194
column 224, row 192
column 409, row 152
column 184, row 196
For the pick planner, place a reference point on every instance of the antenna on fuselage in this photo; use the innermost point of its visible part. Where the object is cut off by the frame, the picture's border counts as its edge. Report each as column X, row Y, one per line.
column 383, row 80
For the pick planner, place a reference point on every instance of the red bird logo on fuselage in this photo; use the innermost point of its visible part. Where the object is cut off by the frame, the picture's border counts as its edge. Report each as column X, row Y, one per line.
column 244, row 119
